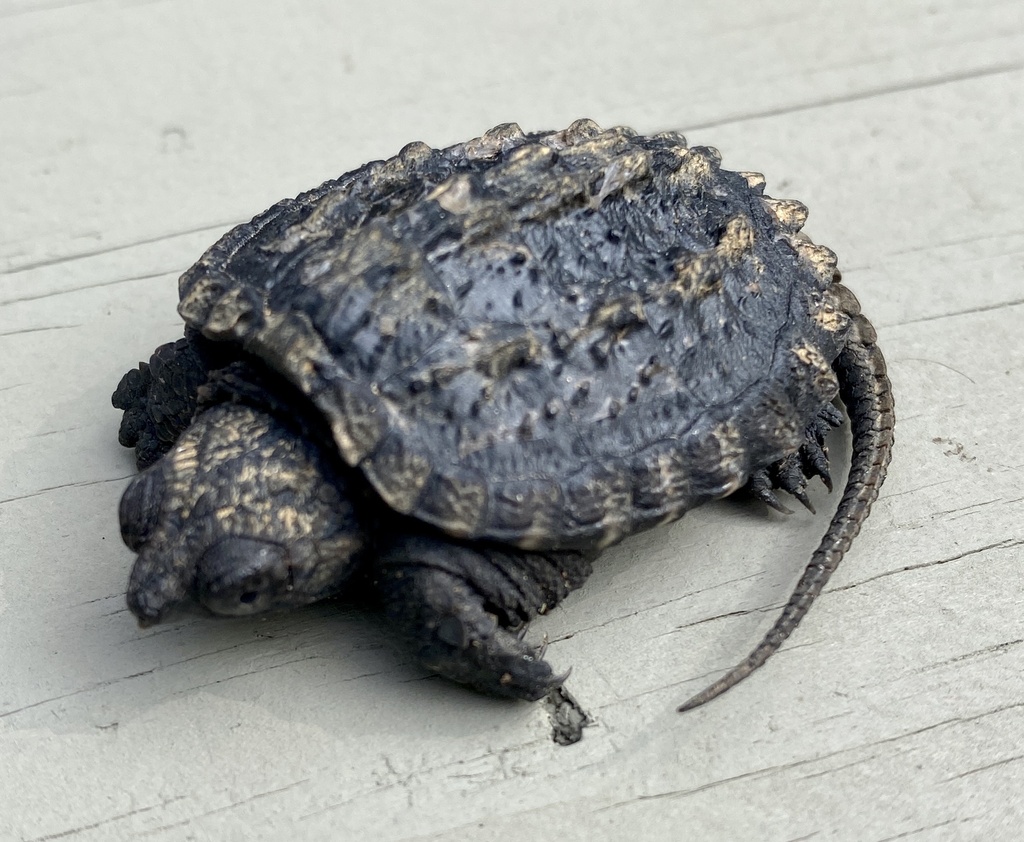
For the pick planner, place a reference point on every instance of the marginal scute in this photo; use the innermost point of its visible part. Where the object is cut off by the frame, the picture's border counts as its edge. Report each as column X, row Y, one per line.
column 830, row 317
column 233, row 315
column 399, row 473
column 789, row 213
column 200, row 290
column 599, row 496
column 660, row 482
column 863, row 332
column 845, row 299
column 822, row 260
column 818, row 371
column 527, row 507
column 460, row 501
column 755, row 181
column 733, row 456
column 357, row 423
column 718, row 461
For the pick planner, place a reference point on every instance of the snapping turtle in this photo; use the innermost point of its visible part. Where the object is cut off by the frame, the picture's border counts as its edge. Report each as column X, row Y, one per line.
column 456, row 375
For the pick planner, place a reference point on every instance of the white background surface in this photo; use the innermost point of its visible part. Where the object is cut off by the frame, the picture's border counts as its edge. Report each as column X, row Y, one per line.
column 132, row 134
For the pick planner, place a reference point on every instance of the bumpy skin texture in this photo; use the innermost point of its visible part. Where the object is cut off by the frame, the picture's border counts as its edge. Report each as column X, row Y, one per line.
column 159, row 400
column 524, row 347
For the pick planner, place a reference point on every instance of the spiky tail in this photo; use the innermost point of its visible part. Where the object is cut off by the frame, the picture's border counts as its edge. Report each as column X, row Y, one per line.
column 867, row 393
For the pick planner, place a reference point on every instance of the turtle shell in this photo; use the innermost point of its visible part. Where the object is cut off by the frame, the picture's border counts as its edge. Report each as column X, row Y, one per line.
column 549, row 339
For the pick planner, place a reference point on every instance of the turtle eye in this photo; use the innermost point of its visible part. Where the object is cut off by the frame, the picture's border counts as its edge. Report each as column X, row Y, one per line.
column 242, row 576
column 140, row 508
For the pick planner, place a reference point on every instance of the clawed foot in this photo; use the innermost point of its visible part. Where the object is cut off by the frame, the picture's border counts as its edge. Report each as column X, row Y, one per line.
column 792, row 473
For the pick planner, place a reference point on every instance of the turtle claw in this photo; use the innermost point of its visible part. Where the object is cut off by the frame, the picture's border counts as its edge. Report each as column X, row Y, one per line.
column 541, row 650
column 805, row 501
column 792, row 473
column 814, row 459
column 760, row 485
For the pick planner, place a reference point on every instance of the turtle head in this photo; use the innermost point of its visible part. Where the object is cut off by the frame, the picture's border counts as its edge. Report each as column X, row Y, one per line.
column 242, row 515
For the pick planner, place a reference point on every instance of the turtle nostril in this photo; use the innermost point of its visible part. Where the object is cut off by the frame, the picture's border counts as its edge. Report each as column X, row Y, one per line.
column 249, row 597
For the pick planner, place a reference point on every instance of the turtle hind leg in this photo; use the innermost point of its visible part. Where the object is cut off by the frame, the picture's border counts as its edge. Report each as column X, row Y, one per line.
column 464, row 608
column 159, row 398
column 792, row 473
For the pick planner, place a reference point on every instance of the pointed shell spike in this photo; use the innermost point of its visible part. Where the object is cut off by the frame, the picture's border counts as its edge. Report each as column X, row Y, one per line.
column 755, row 180
column 789, row 213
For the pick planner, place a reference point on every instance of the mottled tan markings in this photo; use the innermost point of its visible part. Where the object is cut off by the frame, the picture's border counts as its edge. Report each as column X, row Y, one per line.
column 496, row 360
column 455, row 195
column 624, row 170
column 819, row 370
column 698, row 276
column 205, row 290
column 830, row 318
column 358, row 427
column 755, row 180
column 822, row 260
column 499, row 139
column 660, row 477
column 399, row 475
column 676, row 137
column 788, row 213
column 548, row 174
column 736, row 240
column 463, row 501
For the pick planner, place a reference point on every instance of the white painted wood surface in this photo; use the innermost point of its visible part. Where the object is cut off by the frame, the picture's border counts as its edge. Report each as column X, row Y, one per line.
column 133, row 133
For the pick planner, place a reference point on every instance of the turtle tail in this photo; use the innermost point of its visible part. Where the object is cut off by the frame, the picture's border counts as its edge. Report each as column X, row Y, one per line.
column 865, row 390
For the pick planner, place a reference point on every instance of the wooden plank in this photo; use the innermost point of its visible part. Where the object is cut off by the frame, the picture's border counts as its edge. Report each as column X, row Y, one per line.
column 133, row 134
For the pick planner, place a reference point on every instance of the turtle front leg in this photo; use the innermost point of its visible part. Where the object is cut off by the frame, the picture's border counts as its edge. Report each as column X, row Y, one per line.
column 463, row 608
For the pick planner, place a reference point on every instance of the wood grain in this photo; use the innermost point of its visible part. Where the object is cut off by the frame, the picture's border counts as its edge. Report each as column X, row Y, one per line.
column 133, row 134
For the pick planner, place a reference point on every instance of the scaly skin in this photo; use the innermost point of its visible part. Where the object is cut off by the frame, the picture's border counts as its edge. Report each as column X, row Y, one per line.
column 867, row 393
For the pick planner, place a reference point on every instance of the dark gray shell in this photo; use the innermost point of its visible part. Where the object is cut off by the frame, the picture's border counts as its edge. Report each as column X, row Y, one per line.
column 547, row 339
